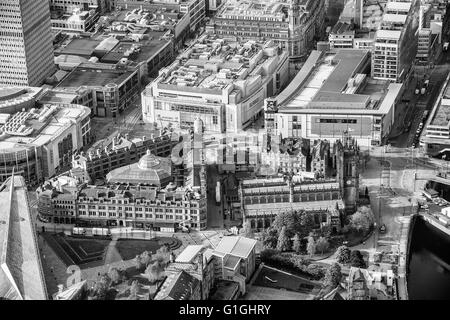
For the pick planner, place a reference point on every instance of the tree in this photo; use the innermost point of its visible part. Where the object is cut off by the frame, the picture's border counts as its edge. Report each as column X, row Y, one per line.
column 102, row 287
column 362, row 220
column 270, row 238
column 290, row 220
column 162, row 256
column 315, row 270
column 322, row 244
column 283, row 244
column 343, row 254
column 155, row 272
column 114, row 275
column 134, row 290
column 146, row 258
column 248, row 232
column 333, row 276
column 138, row 263
column 311, row 246
column 297, row 244
column 357, row 260
column 307, row 224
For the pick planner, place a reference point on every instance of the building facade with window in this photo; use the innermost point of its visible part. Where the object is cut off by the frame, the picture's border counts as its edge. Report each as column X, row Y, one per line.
column 223, row 82
column 194, row 9
column 26, row 47
column 395, row 44
column 123, row 150
column 331, row 94
column 66, row 200
column 293, row 25
column 38, row 142
column 332, row 190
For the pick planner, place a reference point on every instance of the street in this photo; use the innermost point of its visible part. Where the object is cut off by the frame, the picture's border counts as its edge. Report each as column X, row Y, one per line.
column 393, row 190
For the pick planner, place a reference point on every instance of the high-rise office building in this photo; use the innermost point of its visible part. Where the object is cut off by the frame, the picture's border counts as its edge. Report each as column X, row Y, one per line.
column 26, row 47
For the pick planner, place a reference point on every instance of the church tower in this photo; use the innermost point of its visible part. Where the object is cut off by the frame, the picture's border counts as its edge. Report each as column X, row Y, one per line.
column 346, row 160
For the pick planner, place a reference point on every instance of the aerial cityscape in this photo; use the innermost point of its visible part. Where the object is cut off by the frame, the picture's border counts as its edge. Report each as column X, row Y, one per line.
column 225, row 150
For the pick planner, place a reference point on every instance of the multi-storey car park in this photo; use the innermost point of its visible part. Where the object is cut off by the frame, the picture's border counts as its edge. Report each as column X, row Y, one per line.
column 220, row 80
column 331, row 94
column 292, row 24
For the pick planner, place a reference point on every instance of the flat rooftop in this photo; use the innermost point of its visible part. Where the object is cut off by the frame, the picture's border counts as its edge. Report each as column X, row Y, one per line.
column 238, row 8
column 21, row 276
column 214, row 63
column 27, row 129
column 140, row 51
column 442, row 114
column 152, row 16
column 394, row 18
column 52, row 96
column 95, row 75
column 389, row 34
column 398, row 6
column 79, row 47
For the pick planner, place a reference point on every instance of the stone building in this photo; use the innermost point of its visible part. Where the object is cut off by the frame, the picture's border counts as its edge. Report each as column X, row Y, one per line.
column 346, row 156
column 128, row 203
column 327, row 191
column 193, row 261
column 363, row 284
column 123, row 150
column 294, row 25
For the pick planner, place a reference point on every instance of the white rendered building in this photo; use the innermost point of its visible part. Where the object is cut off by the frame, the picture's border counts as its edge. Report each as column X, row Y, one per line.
column 221, row 81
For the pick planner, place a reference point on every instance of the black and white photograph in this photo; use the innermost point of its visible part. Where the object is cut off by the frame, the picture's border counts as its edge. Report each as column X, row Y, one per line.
column 244, row 158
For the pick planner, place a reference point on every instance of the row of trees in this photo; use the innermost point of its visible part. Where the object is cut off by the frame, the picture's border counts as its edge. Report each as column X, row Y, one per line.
column 283, row 242
column 286, row 226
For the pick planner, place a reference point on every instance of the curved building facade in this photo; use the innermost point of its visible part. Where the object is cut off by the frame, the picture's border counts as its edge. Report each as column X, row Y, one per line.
column 38, row 142
column 13, row 99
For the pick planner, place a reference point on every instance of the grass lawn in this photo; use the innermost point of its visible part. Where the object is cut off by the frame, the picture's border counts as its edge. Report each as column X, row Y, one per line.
column 355, row 238
column 88, row 246
column 77, row 251
column 130, row 248
column 283, row 281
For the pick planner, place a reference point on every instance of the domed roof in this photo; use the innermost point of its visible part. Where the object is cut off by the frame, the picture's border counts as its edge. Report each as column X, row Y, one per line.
column 150, row 170
column 148, row 161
